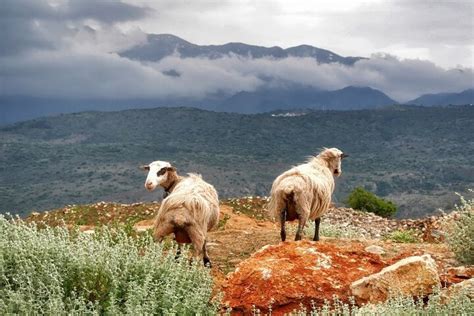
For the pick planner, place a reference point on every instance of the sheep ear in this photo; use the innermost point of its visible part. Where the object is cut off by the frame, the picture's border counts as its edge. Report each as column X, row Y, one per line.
column 170, row 168
column 145, row 167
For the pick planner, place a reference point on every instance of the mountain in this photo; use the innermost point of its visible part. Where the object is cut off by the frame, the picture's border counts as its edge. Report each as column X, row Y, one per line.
column 416, row 156
column 297, row 97
column 14, row 109
column 159, row 46
column 460, row 98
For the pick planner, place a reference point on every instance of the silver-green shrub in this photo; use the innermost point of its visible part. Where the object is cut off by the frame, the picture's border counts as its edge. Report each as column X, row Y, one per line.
column 460, row 233
column 459, row 305
column 56, row 272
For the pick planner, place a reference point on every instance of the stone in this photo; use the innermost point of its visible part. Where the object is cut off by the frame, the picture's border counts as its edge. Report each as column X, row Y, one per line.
column 294, row 273
column 413, row 276
column 375, row 249
column 465, row 287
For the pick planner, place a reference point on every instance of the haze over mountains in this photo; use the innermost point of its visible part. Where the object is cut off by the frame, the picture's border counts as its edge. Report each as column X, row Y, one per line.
column 233, row 77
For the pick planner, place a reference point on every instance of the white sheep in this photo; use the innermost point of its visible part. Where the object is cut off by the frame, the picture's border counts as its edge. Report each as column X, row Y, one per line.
column 190, row 207
column 304, row 192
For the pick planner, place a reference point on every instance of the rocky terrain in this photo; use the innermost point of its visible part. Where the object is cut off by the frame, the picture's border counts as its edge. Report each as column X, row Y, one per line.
column 359, row 254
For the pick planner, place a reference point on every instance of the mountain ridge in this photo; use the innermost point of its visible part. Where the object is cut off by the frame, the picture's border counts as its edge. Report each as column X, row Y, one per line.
column 446, row 98
column 159, row 46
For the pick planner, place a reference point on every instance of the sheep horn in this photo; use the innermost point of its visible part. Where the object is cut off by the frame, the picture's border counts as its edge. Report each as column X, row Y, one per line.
column 144, row 167
column 344, row 155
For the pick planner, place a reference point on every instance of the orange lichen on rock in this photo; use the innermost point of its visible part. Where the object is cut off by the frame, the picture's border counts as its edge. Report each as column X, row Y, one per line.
column 291, row 273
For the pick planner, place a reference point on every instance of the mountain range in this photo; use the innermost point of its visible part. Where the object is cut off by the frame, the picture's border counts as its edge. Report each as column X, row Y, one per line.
column 269, row 97
column 159, row 46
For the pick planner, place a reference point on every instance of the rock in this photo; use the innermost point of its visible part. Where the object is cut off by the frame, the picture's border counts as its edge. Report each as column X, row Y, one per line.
column 465, row 287
column 291, row 273
column 375, row 249
column 412, row 276
column 462, row 272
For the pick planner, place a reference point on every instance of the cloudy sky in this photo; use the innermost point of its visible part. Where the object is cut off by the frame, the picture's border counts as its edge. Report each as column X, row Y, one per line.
column 67, row 48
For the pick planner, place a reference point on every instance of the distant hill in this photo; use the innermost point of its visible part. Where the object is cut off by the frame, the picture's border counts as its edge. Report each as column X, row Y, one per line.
column 415, row 156
column 159, row 46
column 461, row 98
column 265, row 100
column 14, row 109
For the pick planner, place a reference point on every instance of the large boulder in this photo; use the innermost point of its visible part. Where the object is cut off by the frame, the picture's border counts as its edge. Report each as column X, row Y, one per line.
column 412, row 276
column 291, row 273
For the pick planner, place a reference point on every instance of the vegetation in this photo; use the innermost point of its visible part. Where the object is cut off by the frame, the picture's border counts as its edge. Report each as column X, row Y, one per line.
column 460, row 305
column 415, row 156
column 403, row 236
column 363, row 200
column 55, row 272
column 460, row 236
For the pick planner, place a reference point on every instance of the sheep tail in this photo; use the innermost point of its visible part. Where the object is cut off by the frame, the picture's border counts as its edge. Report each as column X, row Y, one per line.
column 278, row 201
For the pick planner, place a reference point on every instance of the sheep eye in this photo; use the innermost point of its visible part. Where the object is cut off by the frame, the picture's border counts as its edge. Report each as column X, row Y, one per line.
column 161, row 172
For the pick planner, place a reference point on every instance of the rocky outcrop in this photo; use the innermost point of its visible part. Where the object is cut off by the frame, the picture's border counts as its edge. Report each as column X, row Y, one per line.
column 291, row 273
column 465, row 287
column 412, row 276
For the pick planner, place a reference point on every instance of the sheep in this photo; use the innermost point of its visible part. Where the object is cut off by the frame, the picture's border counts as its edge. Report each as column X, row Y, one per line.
column 190, row 207
column 304, row 192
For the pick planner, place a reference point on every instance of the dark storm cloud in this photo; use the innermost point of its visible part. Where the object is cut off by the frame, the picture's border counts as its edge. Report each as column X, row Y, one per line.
column 37, row 24
column 56, row 51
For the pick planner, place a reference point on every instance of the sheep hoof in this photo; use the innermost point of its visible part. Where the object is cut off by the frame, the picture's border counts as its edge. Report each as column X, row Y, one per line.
column 207, row 263
column 316, row 239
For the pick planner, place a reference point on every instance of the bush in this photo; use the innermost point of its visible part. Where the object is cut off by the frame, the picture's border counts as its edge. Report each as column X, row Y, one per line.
column 460, row 233
column 403, row 236
column 363, row 200
column 460, row 304
column 56, row 272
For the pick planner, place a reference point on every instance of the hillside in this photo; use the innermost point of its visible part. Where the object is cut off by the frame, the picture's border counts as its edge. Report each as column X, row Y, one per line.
column 295, row 97
column 354, row 244
column 463, row 97
column 417, row 157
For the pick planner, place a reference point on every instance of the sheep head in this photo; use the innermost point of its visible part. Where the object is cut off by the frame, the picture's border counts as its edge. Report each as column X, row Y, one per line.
column 158, row 174
column 333, row 158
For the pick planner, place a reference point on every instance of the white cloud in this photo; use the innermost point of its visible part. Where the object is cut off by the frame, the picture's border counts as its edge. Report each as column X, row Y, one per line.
column 347, row 27
column 102, row 75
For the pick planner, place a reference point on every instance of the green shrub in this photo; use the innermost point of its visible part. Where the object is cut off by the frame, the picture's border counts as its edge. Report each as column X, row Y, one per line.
column 460, row 233
column 56, row 272
column 403, row 236
column 363, row 200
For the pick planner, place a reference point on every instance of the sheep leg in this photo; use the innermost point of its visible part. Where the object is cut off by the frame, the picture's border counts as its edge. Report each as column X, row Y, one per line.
column 197, row 239
column 302, row 218
column 283, row 222
column 178, row 252
column 207, row 261
column 162, row 230
column 317, row 221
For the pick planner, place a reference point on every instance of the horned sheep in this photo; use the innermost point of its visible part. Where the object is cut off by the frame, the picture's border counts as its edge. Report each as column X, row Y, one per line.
column 304, row 192
column 190, row 207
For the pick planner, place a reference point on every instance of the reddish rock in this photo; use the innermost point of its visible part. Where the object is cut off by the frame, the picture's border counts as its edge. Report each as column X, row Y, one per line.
column 291, row 273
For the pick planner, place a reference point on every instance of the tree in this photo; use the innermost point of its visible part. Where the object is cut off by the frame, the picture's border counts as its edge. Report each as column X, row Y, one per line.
column 363, row 200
